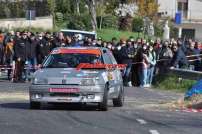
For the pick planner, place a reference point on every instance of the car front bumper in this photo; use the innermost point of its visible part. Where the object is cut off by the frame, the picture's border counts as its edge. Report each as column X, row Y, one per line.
column 86, row 94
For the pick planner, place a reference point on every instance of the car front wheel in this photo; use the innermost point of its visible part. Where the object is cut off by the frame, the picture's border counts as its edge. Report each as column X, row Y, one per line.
column 118, row 102
column 103, row 106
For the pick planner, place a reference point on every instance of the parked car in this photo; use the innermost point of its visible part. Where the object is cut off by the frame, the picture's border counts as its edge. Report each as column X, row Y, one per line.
column 71, row 33
column 63, row 78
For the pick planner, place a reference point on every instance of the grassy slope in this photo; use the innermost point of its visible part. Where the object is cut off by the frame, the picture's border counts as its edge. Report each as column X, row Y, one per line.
column 108, row 34
column 173, row 83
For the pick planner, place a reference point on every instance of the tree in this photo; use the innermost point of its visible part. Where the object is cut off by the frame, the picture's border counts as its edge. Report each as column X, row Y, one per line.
column 111, row 5
column 92, row 10
column 148, row 8
column 52, row 5
column 126, row 12
column 77, row 6
column 100, row 10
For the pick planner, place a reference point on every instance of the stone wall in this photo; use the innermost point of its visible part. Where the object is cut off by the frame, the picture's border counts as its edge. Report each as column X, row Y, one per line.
column 40, row 22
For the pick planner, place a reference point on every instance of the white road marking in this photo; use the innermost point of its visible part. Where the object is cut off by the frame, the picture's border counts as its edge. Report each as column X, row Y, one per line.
column 154, row 132
column 141, row 121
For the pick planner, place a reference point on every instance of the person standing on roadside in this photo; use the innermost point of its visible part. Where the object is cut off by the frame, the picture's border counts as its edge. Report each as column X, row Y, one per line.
column 179, row 59
column 20, row 56
column 165, row 57
column 114, row 41
column 42, row 49
column 127, row 54
column 59, row 40
column 151, row 65
column 117, row 49
column 31, row 56
column 99, row 42
column 1, row 48
column 9, row 53
column 68, row 41
column 193, row 56
column 143, row 61
column 47, row 39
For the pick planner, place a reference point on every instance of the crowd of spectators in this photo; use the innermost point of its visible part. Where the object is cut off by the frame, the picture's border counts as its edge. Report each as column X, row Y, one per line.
column 143, row 58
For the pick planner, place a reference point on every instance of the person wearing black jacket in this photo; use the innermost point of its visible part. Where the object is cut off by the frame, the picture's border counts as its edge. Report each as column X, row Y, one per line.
column 43, row 49
column 31, row 55
column 127, row 54
column 179, row 59
column 194, row 56
column 59, row 41
column 20, row 50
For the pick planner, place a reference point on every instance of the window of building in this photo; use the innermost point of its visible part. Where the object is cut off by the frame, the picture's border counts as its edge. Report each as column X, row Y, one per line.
column 182, row 6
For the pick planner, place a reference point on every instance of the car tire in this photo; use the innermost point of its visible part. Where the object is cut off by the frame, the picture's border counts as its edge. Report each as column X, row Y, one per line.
column 118, row 102
column 35, row 105
column 103, row 106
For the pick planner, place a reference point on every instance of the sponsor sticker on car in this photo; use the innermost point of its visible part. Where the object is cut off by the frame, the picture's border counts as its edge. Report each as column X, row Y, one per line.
column 64, row 90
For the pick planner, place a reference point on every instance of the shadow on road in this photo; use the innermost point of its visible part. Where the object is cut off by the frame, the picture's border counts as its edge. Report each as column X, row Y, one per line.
column 62, row 107
column 15, row 105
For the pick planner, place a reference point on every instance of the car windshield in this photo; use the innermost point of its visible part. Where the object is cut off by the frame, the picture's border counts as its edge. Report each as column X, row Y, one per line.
column 70, row 60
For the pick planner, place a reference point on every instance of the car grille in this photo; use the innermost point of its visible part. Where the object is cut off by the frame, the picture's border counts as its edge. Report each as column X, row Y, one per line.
column 65, row 94
column 66, row 84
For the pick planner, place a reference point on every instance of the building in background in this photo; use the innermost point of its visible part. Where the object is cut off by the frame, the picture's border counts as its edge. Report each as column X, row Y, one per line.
column 191, row 16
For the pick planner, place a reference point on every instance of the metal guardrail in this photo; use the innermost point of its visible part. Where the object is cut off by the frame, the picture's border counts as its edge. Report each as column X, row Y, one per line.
column 186, row 74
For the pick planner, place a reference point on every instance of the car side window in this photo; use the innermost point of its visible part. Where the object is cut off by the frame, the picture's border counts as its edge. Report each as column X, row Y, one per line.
column 112, row 58
column 107, row 58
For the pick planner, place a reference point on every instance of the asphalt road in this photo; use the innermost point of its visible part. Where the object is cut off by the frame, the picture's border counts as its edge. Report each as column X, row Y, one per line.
column 142, row 113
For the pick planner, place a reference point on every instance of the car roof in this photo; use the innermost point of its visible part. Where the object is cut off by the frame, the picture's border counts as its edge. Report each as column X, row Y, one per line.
column 82, row 50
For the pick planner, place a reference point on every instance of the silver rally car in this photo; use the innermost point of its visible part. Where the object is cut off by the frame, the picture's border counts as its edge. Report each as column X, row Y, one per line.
column 65, row 78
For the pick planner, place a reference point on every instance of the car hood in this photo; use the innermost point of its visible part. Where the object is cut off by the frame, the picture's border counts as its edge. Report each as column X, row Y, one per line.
column 70, row 75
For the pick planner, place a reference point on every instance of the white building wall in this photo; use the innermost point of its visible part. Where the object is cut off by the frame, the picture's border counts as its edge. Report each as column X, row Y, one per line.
column 194, row 14
column 198, row 32
column 168, row 6
column 195, row 9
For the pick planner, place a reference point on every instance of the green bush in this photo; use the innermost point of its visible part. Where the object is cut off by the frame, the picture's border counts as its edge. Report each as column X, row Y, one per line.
column 173, row 82
column 137, row 24
column 158, row 30
column 77, row 22
column 173, row 32
column 108, row 21
column 108, row 34
column 59, row 17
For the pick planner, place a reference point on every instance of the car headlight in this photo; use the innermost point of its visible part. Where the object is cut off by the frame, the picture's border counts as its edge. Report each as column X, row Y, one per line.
column 39, row 81
column 87, row 82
